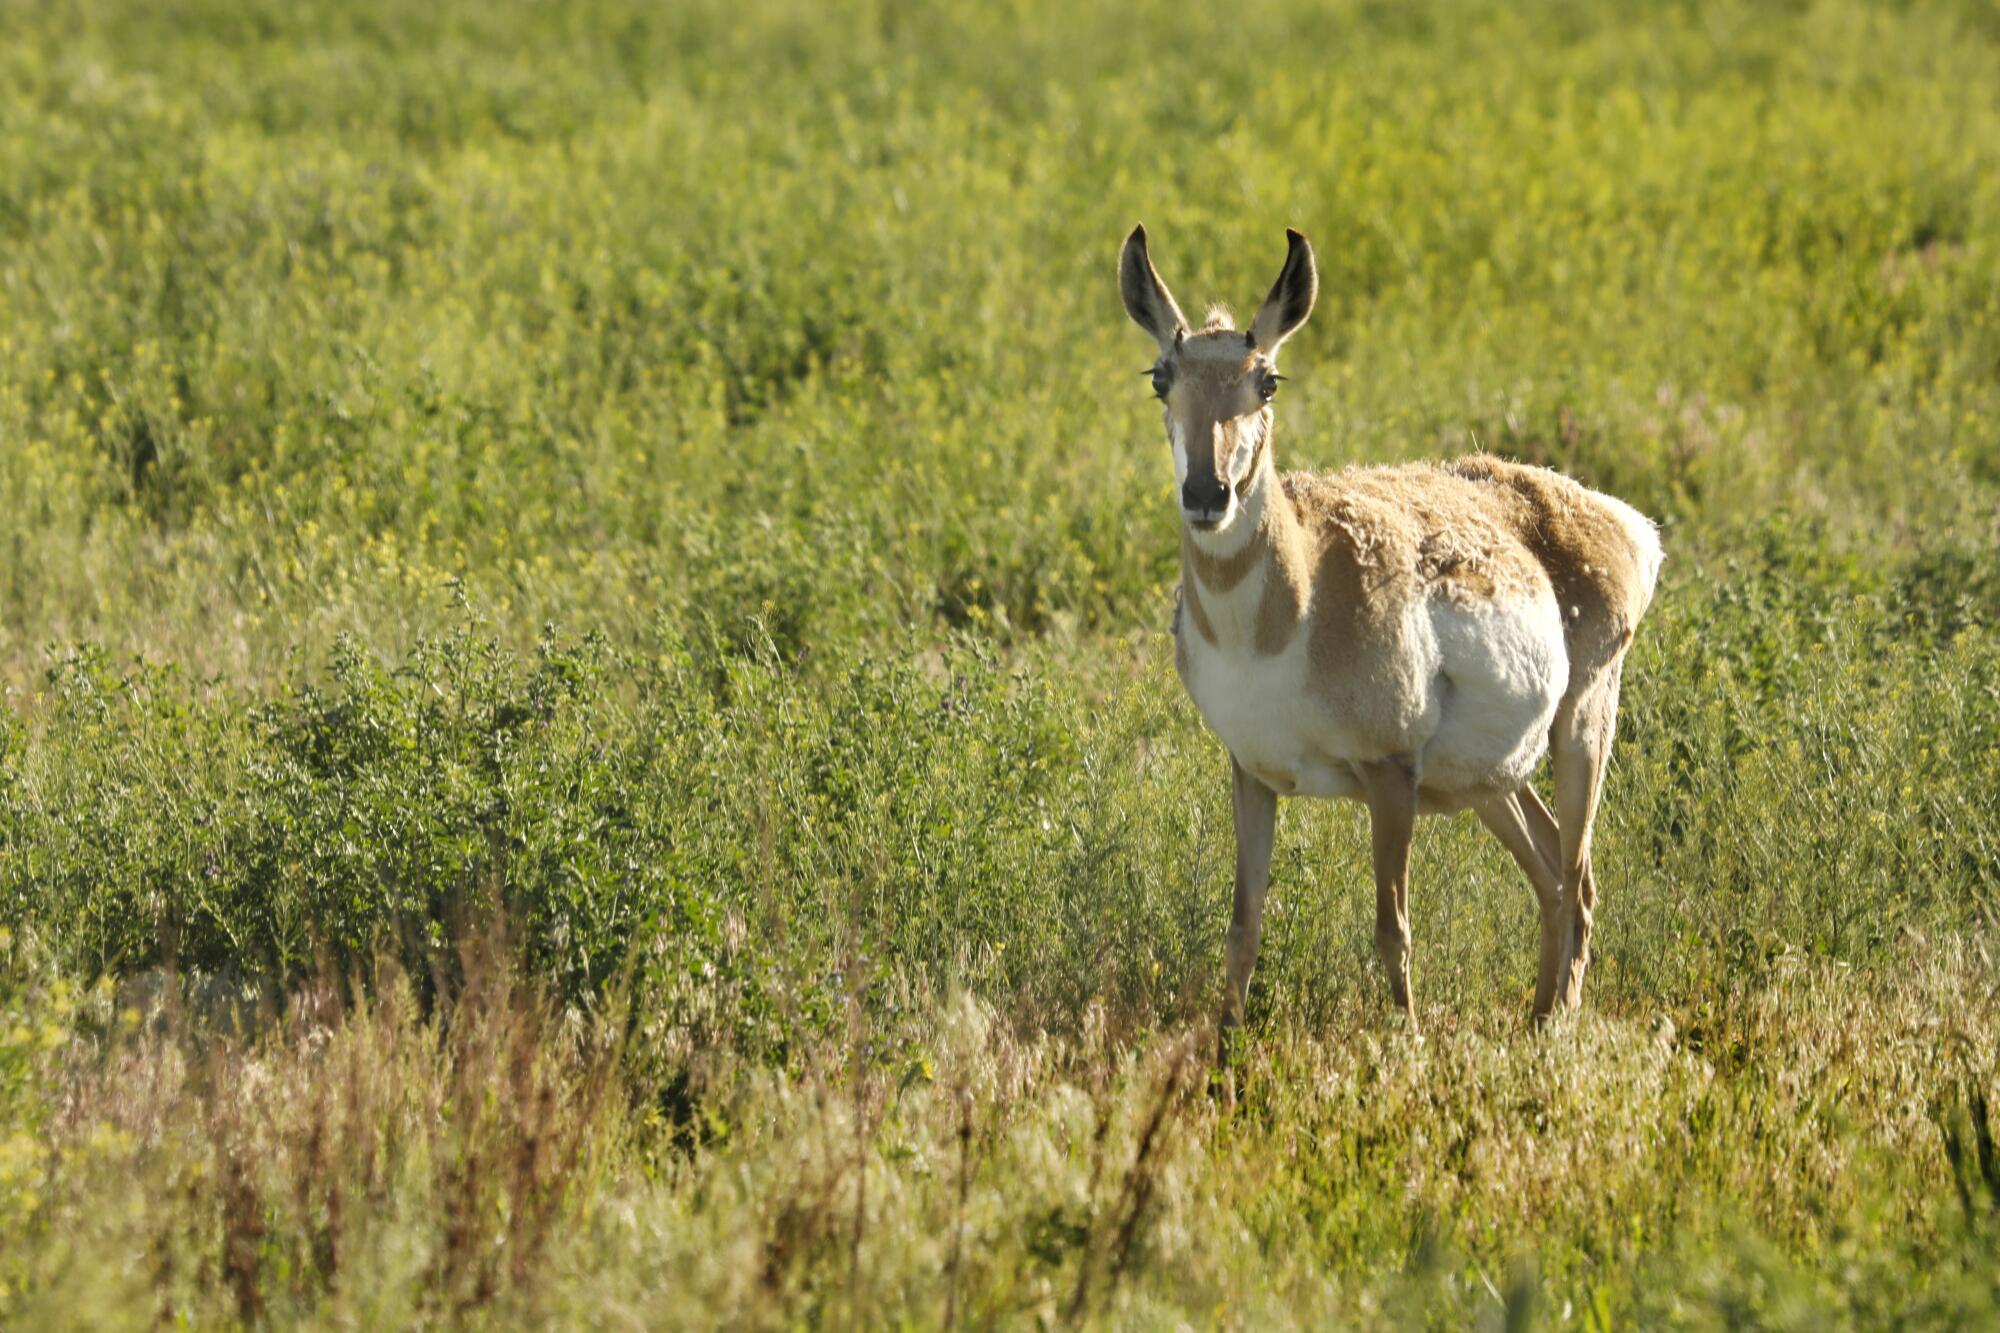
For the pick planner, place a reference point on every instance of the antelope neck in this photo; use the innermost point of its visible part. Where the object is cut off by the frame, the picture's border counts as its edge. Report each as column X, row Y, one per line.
column 1215, row 566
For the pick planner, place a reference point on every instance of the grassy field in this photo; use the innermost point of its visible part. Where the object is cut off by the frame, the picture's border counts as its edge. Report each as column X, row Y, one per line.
column 589, row 735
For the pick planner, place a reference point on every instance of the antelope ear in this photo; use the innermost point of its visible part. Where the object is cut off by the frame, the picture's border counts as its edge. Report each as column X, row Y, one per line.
column 1291, row 298
column 1147, row 299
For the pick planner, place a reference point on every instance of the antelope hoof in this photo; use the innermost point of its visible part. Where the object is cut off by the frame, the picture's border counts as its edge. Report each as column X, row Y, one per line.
column 1395, row 953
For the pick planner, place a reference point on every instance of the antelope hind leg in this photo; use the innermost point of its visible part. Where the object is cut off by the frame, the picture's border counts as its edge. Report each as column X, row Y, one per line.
column 1524, row 827
column 1580, row 744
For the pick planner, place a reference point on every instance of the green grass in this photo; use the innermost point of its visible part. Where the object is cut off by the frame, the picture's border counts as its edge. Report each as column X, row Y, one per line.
column 589, row 735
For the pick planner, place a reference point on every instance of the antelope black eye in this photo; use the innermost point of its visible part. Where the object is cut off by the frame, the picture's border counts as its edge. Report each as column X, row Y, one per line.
column 1267, row 386
column 1163, row 380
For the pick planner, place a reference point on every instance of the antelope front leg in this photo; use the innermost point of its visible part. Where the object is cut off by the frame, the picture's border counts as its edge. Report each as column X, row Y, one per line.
column 1256, row 808
column 1392, row 820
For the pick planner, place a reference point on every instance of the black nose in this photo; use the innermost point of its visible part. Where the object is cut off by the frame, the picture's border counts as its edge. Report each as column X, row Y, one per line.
column 1208, row 496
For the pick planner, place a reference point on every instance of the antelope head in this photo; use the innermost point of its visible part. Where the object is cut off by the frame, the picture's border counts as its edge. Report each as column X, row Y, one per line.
column 1217, row 384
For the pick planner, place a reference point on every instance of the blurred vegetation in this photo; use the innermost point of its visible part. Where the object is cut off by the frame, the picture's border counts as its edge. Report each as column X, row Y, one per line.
column 673, row 481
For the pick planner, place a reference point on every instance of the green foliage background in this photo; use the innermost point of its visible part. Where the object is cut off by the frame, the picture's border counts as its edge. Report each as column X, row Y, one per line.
column 677, row 477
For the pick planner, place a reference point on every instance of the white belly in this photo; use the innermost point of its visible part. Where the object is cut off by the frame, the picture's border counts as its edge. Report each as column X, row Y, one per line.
column 1489, row 679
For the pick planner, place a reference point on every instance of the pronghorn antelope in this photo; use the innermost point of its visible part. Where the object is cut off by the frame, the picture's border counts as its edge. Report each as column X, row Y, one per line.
column 1412, row 637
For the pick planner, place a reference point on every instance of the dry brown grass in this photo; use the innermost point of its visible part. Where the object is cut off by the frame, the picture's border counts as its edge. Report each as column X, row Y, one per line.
column 371, row 1162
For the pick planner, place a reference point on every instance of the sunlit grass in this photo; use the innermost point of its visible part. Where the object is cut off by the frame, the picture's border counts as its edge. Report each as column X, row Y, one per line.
column 675, row 481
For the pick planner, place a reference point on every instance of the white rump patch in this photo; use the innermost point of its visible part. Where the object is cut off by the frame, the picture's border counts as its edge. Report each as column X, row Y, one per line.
column 1645, row 536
